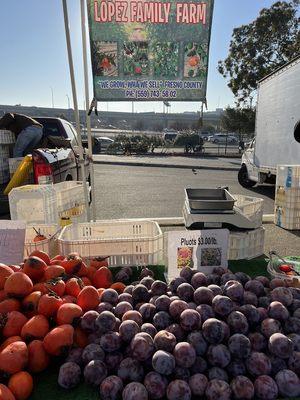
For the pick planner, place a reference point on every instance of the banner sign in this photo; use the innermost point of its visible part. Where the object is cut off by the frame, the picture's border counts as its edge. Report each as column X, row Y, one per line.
column 201, row 250
column 150, row 50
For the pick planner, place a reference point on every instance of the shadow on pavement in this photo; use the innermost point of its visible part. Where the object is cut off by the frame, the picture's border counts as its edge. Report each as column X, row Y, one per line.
column 265, row 190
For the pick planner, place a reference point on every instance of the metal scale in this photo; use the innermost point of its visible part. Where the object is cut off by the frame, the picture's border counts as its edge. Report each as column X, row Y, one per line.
column 213, row 208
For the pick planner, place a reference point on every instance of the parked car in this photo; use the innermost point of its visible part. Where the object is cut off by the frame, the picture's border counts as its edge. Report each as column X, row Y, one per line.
column 100, row 143
column 205, row 135
column 169, row 135
column 104, row 142
column 221, row 138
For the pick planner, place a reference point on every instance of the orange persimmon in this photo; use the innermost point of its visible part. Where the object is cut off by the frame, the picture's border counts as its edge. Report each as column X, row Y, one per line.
column 49, row 304
column 59, row 340
column 57, row 286
column 15, row 268
column 86, row 281
column 88, row 298
column 74, row 286
column 35, row 268
column 118, row 286
column 72, row 264
column 14, row 358
column 8, row 305
column 35, row 328
column 68, row 314
column 91, row 272
column 14, row 324
column 21, row 385
column 40, row 287
column 69, row 299
column 5, row 272
column 80, row 338
column 53, row 271
column 30, row 303
column 102, row 278
column 99, row 262
column 5, row 393
column 10, row 340
column 42, row 255
column 18, row 285
column 38, row 359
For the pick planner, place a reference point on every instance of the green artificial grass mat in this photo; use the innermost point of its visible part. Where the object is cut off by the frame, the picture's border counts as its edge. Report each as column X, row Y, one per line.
column 46, row 386
column 257, row 267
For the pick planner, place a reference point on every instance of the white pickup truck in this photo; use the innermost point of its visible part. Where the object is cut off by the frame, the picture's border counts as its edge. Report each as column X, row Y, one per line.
column 277, row 130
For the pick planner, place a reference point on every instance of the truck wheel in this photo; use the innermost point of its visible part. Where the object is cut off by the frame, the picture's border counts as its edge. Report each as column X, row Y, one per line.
column 244, row 179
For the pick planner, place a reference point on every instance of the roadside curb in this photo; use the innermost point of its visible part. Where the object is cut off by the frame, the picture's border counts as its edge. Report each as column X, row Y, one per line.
column 161, row 165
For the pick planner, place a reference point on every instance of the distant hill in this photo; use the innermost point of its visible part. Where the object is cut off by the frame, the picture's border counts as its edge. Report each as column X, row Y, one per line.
column 123, row 120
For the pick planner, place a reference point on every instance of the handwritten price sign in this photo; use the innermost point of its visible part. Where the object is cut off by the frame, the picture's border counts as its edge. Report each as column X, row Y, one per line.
column 12, row 239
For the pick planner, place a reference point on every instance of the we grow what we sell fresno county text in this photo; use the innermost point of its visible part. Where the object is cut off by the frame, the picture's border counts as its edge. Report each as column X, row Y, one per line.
column 149, row 12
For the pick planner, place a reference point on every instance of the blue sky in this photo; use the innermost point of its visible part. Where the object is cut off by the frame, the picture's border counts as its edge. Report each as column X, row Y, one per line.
column 34, row 58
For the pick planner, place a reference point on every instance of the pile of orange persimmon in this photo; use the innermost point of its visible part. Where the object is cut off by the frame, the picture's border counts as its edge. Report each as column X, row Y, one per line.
column 40, row 302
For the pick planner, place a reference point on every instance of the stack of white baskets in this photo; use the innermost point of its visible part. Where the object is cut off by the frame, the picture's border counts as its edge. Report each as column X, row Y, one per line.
column 7, row 138
column 287, row 199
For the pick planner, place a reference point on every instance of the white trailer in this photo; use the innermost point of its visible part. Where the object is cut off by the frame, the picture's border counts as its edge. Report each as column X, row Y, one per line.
column 277, row 128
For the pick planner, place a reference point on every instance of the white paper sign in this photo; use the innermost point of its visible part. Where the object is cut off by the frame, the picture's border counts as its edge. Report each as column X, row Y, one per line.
column 201, row 250
column 12, row 239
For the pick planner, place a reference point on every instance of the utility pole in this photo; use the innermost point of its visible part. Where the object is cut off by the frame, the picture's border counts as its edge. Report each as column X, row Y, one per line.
column 52, row 96
column 132, row 111
column 68, row 101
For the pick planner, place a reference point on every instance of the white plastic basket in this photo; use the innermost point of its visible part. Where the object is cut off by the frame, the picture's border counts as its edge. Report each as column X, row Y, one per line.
column 126, row 242
column 287, row 197
column 13, row 164
column 69, row 194
column 251, row 207
column 287, row 218
column 246, row 245
column 7, row 137
column 46, row 204
column 35, row 204
column 49, row 245
column 4, row 168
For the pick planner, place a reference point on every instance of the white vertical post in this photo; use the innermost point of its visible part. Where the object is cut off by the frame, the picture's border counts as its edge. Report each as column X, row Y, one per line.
column 76, row 111
column 87, row 102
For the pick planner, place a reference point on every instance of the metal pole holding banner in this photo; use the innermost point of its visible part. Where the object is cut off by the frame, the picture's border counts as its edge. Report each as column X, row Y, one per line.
column 76, row 111
column 87, row 102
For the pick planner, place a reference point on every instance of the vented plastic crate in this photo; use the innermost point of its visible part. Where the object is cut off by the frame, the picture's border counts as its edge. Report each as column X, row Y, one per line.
column 7, row 137
column 287, row 218
column 287, row 197
column 34, row 204
column 49, row 245
column 13, row 164
column 70, row 195
column 246, row 245
column 126, row 242
column 4, row 168
column 288, row 176
column 46, row 204
column 251, row 207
